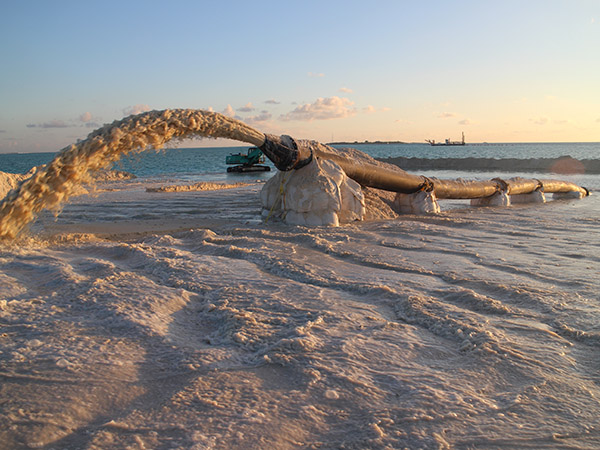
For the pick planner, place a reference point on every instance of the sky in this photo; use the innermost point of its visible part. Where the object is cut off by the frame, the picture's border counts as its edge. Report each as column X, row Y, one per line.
column 328, row 70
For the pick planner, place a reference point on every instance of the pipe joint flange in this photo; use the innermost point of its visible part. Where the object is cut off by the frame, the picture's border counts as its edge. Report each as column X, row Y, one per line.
column 540, row 186
column 501, row 185
column 305, row 155
column 427, row 185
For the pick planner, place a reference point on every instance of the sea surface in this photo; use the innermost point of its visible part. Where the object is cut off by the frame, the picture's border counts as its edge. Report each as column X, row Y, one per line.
column 209, row 163
column 143, row 319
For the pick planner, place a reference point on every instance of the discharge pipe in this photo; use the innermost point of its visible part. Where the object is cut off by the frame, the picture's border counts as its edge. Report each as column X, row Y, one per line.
column 288, row 153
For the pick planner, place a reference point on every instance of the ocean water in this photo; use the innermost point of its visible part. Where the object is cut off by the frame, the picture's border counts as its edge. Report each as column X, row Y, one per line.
column 577, row 150
column 139, row 319
column 207, row 164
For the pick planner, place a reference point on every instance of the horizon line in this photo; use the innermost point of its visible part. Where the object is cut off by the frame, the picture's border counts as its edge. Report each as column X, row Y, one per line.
column 375, row 142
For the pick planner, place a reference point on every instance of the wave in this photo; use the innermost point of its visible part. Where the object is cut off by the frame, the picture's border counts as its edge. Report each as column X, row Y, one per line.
column 564, row 165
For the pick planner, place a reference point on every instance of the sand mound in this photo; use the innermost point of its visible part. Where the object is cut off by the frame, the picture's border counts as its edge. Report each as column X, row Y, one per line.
column 379, row 204
column 317, row 194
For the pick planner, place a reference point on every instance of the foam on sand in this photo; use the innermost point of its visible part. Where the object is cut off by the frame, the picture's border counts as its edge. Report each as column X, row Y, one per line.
column 467, row 329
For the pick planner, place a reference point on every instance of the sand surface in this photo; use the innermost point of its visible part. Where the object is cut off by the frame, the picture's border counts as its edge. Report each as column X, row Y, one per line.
column 182, row 320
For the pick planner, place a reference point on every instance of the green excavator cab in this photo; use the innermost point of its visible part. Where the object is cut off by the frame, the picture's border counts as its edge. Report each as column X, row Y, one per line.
column 247, row 162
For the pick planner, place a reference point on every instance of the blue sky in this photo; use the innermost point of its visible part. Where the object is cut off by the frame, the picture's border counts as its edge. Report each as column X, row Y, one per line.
column 501, row 71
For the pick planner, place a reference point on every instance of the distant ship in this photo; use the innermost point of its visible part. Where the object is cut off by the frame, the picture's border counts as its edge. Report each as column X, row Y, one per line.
column 447, row 141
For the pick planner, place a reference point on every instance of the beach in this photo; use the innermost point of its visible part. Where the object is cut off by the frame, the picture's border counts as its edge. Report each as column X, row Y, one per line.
column 300, row 225
column 148, row 316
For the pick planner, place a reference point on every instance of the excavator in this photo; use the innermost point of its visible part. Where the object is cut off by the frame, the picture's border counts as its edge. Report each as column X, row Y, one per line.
column 251, row 161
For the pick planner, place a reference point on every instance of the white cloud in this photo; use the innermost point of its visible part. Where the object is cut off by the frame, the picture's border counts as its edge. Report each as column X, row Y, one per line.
column 446, row 115
column 369, row 109
column 322, row 109
column 346, row 90
column 315, row 75
column 135, row 109
column 465, row 122
column 89, row 121
column 86, row 116
column 229, row 111
column 247, row 108
column 272, row 102
column 259, row 118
